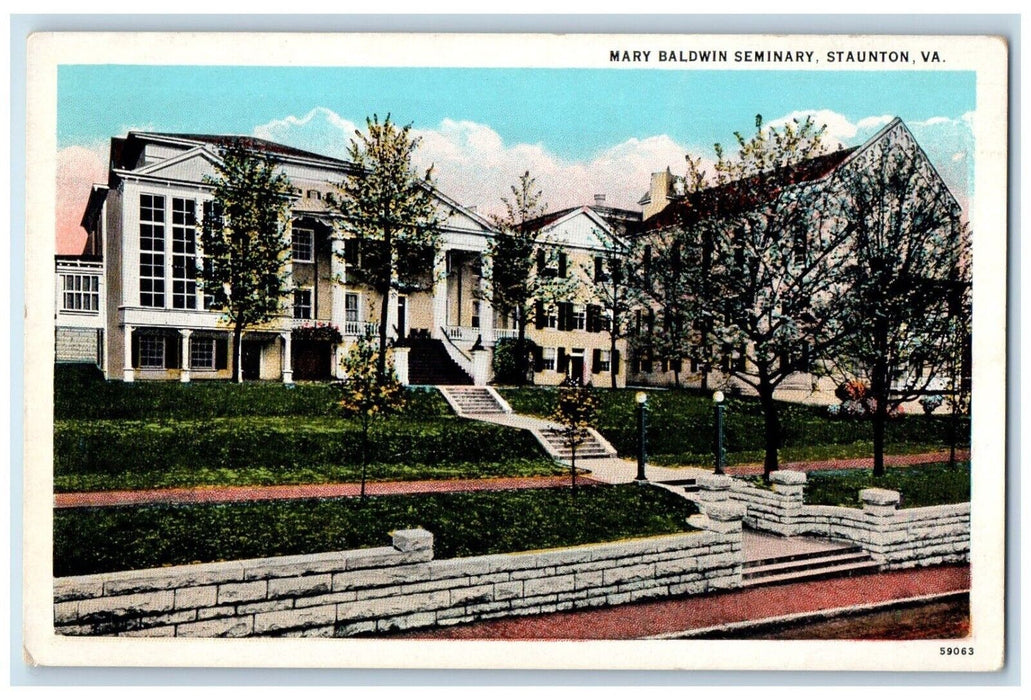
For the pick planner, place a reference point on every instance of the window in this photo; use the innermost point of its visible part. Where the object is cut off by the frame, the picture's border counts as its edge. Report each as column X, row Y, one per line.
column 604, row 361
column 152, row 250
column 302, row 303
column 548, row 356
column 579, row 318
column 551, row 317
column 351, row 308
column 184, row 253
column 152, row 352
column 80, row 293
column 476, row 314
column 303, row 245
column 202, row 353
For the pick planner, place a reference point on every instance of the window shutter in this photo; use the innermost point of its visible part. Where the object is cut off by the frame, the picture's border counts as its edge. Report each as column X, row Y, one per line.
column 351, row 251
column 635, row 363
column 172, row 347
column 646, row 363
column 563, row 361
column 542, row 262
column 222, row 353
column 562, row 264
column 538, row 312
column 562, row 317
column 135, row 342
column 676, row 365
column 615, row 361
column 593, row 318
column 664, row 364
column 595, row 360
column 599, row 269
column 538, row 359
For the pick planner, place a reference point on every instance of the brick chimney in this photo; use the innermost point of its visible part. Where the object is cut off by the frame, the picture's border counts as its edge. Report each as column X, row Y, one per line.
column 658, row 193
column 599, row 200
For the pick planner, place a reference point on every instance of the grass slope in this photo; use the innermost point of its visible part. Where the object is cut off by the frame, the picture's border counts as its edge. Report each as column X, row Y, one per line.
column 464, row 524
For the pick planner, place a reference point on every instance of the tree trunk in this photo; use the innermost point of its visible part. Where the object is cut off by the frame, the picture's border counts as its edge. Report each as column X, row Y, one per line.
column 879, row 387
column 520, row 349
column 365, row 452
column 771, row 421
column 572, row 467
column 953, row 432
column 613, row 369
column 381, row 361
column 238, row 352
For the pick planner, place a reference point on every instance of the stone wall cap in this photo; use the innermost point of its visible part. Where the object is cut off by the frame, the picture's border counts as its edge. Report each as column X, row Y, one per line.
column 879, row 497
column 714, row 482
column 412, row 540
column 788, row 477
column 726, row 511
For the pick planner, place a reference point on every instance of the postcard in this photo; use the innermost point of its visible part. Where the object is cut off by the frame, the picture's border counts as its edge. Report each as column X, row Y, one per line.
column 516, row 351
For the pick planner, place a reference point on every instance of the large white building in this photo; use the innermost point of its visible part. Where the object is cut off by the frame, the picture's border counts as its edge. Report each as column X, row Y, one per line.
column 147, row 311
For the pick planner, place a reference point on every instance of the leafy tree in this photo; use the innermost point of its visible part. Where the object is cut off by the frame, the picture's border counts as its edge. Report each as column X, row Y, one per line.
column 575, row 412
column 366, row 392
column 245, row 250
column 773, row 297
column 388, row 213
column 516, row 271
column 612, row 285
column 906, row 298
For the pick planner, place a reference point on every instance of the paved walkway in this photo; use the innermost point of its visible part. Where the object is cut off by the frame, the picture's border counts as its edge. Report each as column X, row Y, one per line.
column 231, row 494
column 671, row 616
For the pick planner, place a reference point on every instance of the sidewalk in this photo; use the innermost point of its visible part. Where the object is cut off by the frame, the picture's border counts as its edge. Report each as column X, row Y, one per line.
column 233, row 494
column 608, row 471
column 671, row 616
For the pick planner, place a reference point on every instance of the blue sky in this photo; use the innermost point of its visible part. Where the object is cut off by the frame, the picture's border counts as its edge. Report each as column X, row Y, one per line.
column 582, row 131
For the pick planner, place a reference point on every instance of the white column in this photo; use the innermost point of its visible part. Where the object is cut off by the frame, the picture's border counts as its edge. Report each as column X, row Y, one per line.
column 439, row 293
column 486, row 312
column 337, row 275
column 288, row 370
column 401, row 364
column 184, row 372
column 481, row 367
column 128, row 374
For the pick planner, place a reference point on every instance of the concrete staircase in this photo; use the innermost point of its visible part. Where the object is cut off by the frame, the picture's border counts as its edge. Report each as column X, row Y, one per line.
column 833, row 562
column 430, row 364
column 590, row 448
column 473, row 401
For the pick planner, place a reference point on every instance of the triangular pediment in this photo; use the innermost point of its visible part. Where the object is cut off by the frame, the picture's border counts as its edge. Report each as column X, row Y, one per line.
column 190, row 166
column 581, row 228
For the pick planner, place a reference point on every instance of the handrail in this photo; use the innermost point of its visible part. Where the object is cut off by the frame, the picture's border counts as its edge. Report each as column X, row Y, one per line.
column 452, row 344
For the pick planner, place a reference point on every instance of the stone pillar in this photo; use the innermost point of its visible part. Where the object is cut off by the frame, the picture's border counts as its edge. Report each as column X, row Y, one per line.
column 128, row 374
column 481, row 367
column 486, row 310
column 288, row 370
column 184, row 372
column 712, row 489
column 880, row 503
column 401, row 364
column 439, row 293
column 789, row 489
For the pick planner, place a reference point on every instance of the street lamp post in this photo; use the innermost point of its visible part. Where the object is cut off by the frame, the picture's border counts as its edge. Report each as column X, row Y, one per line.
column 642, row 401
column 717, row 399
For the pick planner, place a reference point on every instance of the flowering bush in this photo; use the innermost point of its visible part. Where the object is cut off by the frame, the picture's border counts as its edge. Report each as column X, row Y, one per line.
column 325, row 332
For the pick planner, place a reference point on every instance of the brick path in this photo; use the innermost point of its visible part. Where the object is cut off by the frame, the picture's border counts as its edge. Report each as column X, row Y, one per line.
column 854, row 463
column 667, row 617
column 229, row 494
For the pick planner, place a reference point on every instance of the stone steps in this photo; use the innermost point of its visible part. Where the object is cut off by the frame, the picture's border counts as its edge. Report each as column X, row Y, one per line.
column 808, row 566
column 473, row 401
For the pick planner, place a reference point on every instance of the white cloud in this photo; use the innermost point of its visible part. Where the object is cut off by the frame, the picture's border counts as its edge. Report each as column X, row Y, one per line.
column 473, row 164
column 78, row 168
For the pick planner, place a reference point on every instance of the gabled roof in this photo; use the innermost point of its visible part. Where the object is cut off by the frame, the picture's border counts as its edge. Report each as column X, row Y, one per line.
column 610, row 215
column 251, row 143
column 739, row 195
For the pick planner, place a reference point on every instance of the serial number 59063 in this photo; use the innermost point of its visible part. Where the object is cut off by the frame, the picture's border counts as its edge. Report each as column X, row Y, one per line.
column 956, row 651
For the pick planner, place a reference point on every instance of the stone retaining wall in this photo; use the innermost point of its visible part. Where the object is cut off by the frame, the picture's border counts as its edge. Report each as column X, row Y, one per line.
column 398, row 587
column 896, row 538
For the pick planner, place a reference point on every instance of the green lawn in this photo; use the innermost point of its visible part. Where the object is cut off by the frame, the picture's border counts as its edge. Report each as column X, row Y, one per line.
column 925, row 485
column 112, row 435
column 96, row 540
column 680, row 427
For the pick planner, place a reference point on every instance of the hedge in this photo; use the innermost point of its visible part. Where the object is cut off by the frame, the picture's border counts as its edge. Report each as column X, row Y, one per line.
column 97, row 540
column 278, row 443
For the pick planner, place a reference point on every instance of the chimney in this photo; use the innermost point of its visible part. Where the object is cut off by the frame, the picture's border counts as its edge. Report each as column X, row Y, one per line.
column 658, row 193
column 599, row 200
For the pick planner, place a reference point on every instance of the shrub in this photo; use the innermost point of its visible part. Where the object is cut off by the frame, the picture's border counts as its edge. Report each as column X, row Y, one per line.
column 505, row 365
